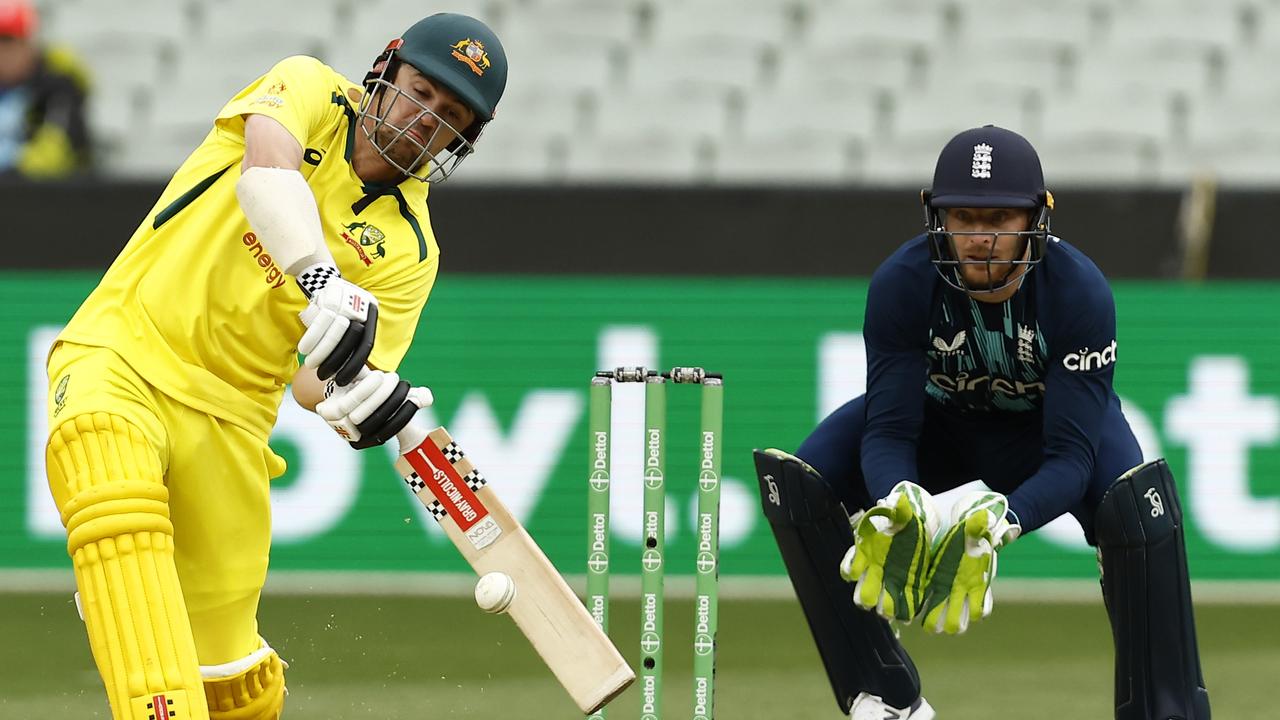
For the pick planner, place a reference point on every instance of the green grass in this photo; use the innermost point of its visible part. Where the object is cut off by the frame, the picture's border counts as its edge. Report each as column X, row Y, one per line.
column 414, row 657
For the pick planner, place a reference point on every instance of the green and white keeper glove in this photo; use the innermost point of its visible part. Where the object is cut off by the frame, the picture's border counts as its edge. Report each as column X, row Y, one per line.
column 890, row 553
column 958, row 588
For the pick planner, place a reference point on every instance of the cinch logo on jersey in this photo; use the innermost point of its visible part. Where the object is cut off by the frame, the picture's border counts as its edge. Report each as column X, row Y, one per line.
column 274, row 275
column 982, row 161
column 1085, row 361
column 962, row 382
column 473, row 54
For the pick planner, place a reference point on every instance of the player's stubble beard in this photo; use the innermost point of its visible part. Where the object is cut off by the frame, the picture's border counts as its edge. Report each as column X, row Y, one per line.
column 395, row 143
column 997, row 272
column 403, row 149
column 987, row 277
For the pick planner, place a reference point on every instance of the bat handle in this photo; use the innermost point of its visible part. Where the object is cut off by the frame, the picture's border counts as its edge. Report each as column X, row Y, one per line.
column 411, row 436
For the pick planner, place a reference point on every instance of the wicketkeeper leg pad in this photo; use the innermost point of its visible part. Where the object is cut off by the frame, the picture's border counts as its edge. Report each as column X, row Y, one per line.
column 859, row 649
column 251, row 688
column 108, row 482
column 1148, row 595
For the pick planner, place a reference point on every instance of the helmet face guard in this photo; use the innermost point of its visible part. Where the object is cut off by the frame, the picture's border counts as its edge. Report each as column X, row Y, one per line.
column 947, row 261
column 987, row 167
column 380, row 95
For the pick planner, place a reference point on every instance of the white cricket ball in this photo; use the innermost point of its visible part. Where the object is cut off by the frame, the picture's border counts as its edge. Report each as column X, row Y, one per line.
column 495, row 591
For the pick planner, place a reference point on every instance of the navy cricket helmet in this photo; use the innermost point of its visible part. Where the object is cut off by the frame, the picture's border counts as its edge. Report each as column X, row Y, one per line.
column 986, row 167
column 457, row 51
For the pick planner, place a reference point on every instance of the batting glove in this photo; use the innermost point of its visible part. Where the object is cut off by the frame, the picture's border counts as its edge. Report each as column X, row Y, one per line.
column 958, row 590
column 890, row 552
column 341, row 320
column 373, row 409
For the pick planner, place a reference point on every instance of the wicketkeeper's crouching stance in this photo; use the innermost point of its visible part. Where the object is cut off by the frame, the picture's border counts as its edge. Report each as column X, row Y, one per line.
column 981, row 368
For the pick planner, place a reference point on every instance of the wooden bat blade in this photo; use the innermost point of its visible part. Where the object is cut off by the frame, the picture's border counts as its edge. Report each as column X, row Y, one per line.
column 545, row 608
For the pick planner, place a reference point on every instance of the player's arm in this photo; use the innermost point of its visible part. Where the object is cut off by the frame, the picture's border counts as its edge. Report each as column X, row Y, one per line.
column 1078, row 389
column 268, row 144
column 378, row 405
column 307, row 388
column 895, row 330
column 889, row 556
column 341, row 318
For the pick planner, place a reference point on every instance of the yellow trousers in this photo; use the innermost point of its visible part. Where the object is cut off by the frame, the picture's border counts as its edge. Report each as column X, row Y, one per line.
column 198, row 479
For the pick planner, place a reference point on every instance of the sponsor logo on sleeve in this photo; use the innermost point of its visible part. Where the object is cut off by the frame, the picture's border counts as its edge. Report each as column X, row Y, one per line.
column 273, row 97
column 1086, row 360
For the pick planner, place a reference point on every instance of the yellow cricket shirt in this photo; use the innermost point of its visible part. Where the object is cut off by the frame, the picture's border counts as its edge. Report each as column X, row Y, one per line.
column 198, row 307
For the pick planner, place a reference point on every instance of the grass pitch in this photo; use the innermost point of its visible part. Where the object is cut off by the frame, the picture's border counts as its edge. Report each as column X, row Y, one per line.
column 428, row 657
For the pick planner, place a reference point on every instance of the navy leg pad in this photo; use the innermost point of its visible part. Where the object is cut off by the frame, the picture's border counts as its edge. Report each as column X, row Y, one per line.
column 812, row 530
column 1148, row 595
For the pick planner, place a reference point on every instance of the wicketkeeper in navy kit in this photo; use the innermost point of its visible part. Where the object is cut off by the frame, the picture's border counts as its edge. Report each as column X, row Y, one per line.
column 991, row 347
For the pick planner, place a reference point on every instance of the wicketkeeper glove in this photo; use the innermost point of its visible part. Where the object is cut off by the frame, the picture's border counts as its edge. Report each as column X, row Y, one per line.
column 890, row 552
column 373, row 409
column 341, row 320
column 958, row 589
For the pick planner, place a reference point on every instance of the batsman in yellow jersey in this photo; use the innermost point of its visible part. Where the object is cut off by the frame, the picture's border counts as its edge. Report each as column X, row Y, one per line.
column 299, row 225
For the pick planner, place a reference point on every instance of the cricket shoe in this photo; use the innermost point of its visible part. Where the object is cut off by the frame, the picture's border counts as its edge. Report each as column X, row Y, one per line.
column 871, row 707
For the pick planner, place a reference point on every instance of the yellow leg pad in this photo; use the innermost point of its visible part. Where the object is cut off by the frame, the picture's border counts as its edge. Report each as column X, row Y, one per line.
column 106, row 478
column 251, row 688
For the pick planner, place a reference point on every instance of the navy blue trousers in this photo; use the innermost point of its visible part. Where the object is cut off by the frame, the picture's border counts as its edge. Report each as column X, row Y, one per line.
column 1002, row 451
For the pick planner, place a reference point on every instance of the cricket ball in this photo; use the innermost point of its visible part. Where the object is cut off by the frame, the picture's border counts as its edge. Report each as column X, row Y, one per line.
column 495, row 591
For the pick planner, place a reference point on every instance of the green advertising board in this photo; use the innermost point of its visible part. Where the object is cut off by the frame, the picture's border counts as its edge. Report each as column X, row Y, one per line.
column 509, row 360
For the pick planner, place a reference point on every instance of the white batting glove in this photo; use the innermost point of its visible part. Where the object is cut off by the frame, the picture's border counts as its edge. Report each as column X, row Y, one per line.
column 341, row 320
column 373, row 409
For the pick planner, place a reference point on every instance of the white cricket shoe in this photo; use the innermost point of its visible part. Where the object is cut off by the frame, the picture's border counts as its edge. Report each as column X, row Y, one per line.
column 871, row 707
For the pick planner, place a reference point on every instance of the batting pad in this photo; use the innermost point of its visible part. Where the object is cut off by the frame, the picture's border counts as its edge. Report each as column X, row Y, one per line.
column 1147, row 588
column 115, row 509
column 251, row 688
column 860, row 651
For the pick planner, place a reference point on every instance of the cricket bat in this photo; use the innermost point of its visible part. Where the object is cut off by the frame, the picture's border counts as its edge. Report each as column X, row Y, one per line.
column 545, row 608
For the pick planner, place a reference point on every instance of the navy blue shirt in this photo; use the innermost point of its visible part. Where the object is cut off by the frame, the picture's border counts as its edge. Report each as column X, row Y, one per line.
column 1047, row 353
